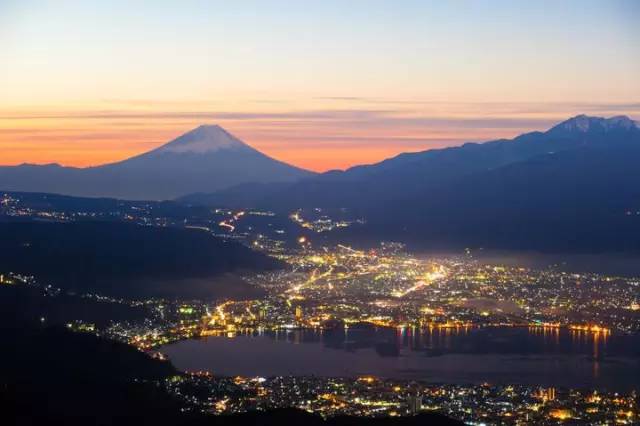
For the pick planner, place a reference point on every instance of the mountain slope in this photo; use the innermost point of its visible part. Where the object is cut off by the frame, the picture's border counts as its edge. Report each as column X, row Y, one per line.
column 129, row 260
column 205, row 159
column 412, row 174
column 583, row 197
column 583, row 200
column 575, row 187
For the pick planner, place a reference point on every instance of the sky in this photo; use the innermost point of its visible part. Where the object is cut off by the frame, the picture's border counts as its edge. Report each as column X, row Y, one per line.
column 320, row 84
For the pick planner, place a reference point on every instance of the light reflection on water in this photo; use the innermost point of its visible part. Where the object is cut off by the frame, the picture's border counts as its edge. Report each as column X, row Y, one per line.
column 540, row 356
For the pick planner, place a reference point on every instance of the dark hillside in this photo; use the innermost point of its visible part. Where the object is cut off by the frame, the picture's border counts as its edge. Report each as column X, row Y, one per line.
column 127, row 260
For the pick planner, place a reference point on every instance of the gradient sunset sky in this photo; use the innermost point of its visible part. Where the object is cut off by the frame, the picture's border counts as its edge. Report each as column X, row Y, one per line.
column 320, row 84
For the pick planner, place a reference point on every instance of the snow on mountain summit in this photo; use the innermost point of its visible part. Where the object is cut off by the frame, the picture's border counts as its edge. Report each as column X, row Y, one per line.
column 584, row 123
column 203, row 139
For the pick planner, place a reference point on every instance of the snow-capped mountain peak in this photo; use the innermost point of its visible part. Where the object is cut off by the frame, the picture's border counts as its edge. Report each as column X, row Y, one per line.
column 202, row 139
column 584, row 123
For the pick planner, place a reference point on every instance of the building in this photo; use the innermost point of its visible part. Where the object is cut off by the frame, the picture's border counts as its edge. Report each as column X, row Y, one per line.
column 414, row 403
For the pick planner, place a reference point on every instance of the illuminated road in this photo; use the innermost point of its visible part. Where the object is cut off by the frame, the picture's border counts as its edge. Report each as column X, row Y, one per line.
column 229, row 224
column 438, row 274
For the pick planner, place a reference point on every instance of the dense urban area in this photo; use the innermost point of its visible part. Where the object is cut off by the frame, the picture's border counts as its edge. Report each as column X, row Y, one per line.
column 327, row 286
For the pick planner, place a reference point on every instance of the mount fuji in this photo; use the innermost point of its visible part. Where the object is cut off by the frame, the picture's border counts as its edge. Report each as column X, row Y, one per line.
column 205, row 159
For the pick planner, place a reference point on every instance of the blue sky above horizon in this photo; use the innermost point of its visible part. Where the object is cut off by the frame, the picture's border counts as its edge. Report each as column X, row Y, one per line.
column 321, row 84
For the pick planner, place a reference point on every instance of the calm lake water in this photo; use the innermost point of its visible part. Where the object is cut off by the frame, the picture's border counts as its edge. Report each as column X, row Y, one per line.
column 494, row 355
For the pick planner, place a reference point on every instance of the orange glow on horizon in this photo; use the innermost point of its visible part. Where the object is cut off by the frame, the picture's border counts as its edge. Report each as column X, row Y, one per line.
column 80, row 145
column 318, row 139
column 92, row 82
column 91, row 149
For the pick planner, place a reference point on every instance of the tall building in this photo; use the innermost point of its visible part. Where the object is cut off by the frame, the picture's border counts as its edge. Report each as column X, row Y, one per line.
column 298, row 312
column 548, row 394
column 414, row 403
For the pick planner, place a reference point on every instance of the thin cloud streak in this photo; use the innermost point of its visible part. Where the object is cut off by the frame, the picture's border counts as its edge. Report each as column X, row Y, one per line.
column 319, row 139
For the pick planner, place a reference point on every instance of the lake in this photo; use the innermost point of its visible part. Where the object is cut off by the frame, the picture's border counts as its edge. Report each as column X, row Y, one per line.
column 529, row 356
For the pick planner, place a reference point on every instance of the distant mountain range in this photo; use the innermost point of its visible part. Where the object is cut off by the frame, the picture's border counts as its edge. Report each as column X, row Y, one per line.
column 205, row 159
column 573, row 187
column 411, row 174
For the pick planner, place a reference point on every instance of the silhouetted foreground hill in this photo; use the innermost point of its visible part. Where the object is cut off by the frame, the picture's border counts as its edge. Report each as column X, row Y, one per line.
column 25, row 303
column 51, row 376
column 128, row 260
